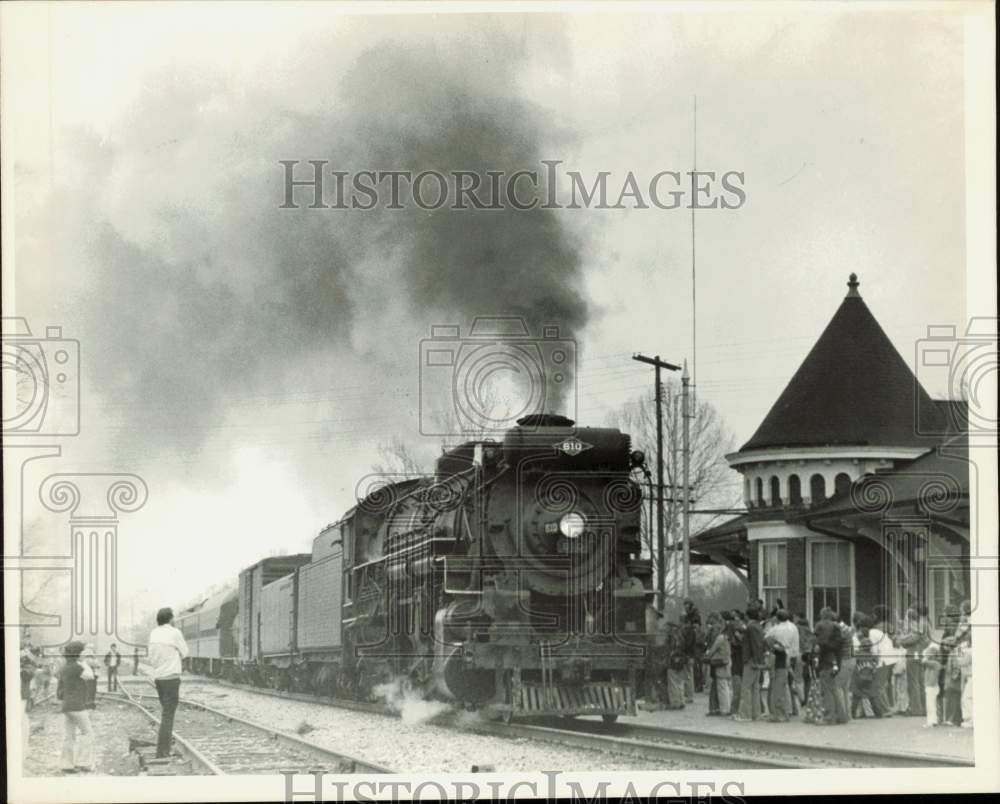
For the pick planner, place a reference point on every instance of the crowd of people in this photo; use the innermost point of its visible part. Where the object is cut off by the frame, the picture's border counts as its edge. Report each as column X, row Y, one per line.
column 772, row 665
column 77, row 677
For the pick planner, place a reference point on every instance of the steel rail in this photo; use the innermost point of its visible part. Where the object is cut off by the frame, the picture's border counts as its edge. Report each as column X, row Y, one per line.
column 193, row 752
column 642, row 749
column 359, row 765
column 818, row 756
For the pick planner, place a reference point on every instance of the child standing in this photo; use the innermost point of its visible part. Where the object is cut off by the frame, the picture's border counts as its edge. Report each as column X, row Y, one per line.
column 72, row 691
column 932, row 667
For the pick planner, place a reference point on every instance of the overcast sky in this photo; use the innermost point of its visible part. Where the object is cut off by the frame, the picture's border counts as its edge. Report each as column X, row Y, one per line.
column 247, row 361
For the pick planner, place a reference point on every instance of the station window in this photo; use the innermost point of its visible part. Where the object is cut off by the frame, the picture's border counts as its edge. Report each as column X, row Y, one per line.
column 775, row 492
column 760, row 492
column 817, row 488
column 842, row 484
column 773, row 572
column 947, row 589
column 831, row 577
column 794, row 490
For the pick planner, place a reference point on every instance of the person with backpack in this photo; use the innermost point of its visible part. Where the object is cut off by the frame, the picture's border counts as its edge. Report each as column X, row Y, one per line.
column 863, row 685
column 783, row 640
column 829, row 645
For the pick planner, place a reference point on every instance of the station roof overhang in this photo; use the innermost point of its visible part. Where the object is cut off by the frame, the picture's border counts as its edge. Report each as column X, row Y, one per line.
column 725, row 544
column 932, row 488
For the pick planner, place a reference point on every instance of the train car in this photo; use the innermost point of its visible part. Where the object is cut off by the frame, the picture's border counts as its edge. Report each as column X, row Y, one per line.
column 252, row 583
column 209, row 630
column 318, row 635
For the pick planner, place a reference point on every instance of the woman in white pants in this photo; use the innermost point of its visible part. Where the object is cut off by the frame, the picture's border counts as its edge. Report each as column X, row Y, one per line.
column 965, row 662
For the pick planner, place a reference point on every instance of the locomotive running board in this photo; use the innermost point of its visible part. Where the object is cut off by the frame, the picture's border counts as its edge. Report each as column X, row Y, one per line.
column 582, row 699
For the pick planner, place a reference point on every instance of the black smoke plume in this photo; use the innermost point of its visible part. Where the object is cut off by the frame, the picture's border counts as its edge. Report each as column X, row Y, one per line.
column 199, row 301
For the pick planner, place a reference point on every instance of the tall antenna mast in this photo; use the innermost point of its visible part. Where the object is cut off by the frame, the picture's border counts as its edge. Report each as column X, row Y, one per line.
column 694, row 284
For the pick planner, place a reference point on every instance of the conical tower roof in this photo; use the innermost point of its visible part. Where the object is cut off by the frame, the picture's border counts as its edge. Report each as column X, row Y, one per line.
column 853, row 389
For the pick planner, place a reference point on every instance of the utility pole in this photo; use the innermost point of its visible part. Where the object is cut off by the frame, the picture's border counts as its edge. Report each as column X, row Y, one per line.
column 674, row 475
column 686, row 483
column 660, row 544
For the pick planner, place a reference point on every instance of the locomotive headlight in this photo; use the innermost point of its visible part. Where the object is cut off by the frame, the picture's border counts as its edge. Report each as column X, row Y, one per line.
column 571, row 525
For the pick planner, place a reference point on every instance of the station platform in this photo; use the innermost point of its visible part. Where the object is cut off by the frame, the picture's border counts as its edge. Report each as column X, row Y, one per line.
column 897, row 733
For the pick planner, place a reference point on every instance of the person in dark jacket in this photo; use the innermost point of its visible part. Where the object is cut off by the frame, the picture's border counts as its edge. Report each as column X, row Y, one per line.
column 734, row 631
column 73, row 692
column 807, row 664
column 28, row 667
column 677, row 662
column 690, row 628
column 754, row 659
column 112, row 660
column 829, row 647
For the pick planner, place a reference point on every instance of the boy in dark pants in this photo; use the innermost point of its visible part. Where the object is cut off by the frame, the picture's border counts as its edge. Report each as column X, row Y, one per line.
column 166, row 650
column 112, row 659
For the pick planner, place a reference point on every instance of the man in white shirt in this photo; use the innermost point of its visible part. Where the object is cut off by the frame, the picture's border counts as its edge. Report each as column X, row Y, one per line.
column 166, row 649
column 887, row 655
column 783, row 640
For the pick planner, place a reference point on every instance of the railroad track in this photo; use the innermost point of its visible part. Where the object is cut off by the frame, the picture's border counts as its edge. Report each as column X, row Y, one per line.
column 225, row 744
column 696, row 749
column 795, row 754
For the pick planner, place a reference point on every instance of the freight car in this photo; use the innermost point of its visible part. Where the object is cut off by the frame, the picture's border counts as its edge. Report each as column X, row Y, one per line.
column 510, row 580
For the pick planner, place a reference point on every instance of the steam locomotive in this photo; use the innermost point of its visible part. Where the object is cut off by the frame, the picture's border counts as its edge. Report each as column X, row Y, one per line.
column 510, row 580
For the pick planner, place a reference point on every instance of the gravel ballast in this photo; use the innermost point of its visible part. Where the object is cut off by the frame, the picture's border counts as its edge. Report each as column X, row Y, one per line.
column 405, row 744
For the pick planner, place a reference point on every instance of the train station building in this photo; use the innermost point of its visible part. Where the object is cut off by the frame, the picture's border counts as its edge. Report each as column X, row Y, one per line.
column 856, row 485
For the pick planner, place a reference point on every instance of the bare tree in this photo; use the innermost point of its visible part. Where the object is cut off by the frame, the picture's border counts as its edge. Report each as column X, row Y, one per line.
column 399, row 457
column 713, row 485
